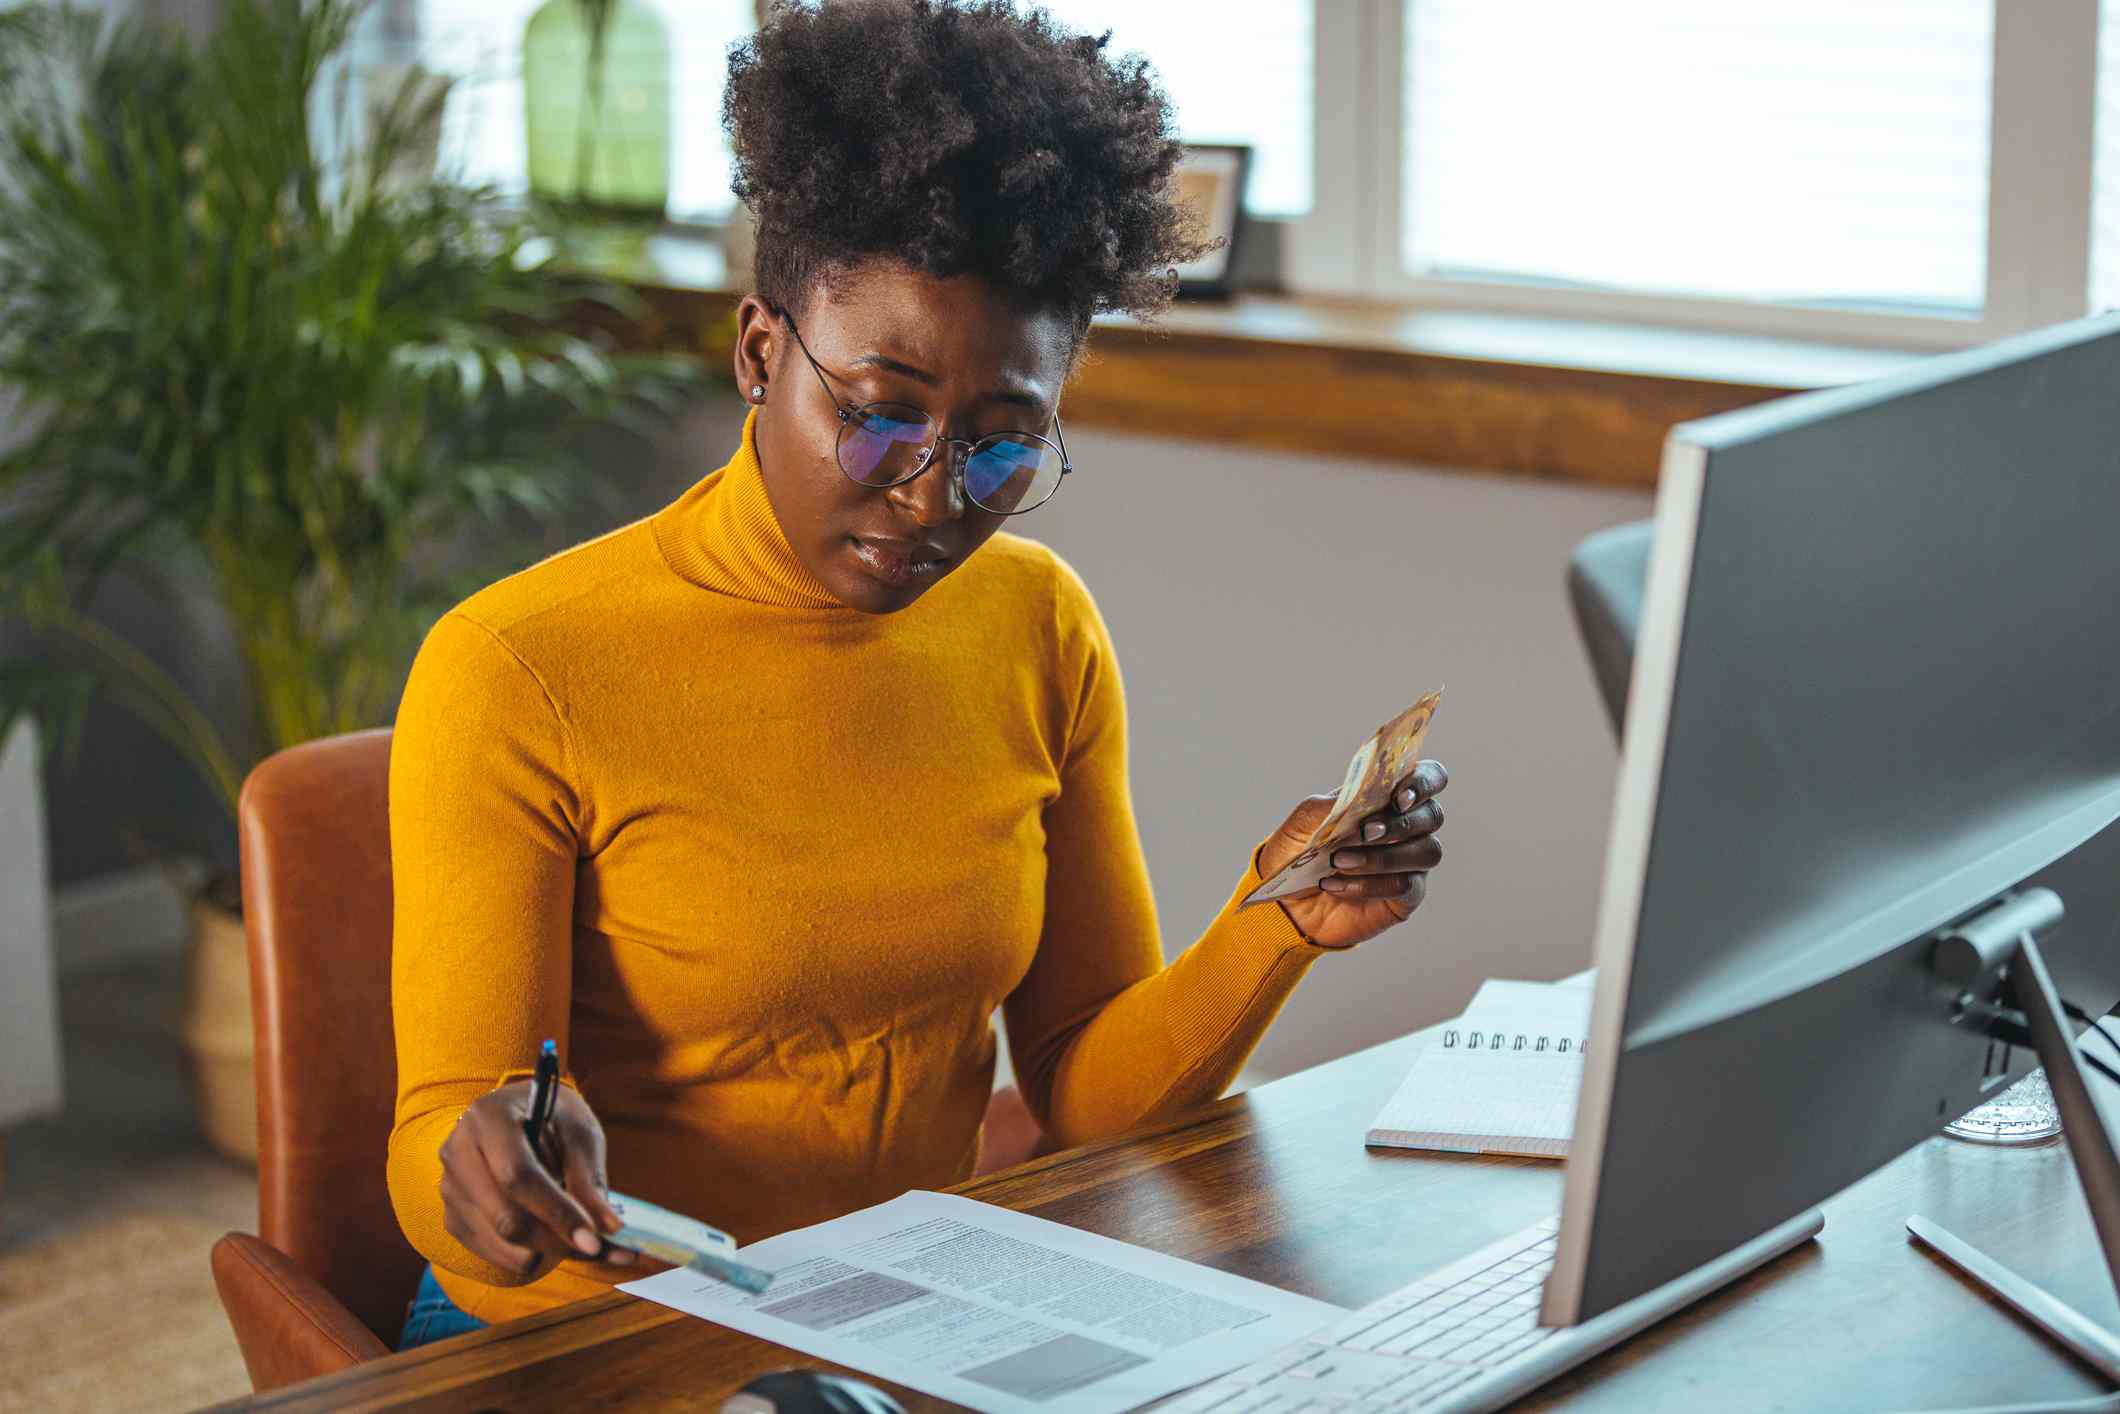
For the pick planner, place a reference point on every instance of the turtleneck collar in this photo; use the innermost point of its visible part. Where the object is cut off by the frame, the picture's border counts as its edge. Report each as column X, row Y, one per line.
column 722, row 535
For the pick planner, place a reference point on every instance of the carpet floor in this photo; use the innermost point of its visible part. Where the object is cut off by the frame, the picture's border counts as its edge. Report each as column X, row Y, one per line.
column 108, row 1209
column 119, row 1316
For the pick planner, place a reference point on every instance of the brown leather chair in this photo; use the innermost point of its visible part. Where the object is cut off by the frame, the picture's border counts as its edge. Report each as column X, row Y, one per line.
column 326, row 1284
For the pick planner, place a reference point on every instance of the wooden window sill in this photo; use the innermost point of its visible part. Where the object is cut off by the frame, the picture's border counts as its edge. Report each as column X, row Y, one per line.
column 1566, row 399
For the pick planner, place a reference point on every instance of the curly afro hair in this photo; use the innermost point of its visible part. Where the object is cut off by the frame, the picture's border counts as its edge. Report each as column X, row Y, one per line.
column 956, row 137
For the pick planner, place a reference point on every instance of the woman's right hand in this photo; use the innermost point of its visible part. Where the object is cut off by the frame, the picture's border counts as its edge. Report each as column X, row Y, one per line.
column 503, row 1204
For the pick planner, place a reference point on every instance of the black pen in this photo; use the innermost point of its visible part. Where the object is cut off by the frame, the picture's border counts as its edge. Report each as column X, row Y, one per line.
column 543, row 1096
column 667, row 1236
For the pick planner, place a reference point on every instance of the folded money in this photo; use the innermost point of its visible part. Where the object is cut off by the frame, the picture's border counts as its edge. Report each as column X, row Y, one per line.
column 1383, row 761
column 682, row 1242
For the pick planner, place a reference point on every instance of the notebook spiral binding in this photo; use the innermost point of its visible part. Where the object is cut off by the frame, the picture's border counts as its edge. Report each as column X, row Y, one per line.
column 1456, row 1039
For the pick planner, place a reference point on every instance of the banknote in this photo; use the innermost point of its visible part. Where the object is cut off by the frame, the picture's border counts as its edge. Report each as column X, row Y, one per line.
column 1383, row 761
column 683, row 1242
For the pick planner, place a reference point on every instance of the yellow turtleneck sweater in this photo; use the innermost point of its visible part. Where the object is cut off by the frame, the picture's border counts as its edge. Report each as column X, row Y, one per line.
column 765, row 866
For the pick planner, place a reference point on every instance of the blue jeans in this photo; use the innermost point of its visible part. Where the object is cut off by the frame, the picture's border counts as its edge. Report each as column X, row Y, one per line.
column 433, row 1316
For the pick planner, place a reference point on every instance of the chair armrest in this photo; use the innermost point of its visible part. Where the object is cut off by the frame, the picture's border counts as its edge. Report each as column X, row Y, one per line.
column 288, row 1327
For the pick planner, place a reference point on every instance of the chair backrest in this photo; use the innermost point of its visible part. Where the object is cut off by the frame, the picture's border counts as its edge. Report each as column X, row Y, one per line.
column 1606, row 576
column 314, row 826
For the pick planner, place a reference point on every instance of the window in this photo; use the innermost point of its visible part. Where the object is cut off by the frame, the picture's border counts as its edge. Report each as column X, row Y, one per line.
column 1909, row 172
column 1802, row 151
column 1235, row 73
column 480, row 42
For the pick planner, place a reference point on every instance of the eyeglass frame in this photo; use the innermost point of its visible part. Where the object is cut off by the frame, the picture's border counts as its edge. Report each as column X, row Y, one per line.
column 848, row 411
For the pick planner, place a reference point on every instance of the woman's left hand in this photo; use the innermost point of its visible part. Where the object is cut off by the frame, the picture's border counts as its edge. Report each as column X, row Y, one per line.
column 1374, row 884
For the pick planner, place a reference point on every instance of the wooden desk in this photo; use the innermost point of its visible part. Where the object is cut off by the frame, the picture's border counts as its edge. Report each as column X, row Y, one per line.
column 1275, row 1184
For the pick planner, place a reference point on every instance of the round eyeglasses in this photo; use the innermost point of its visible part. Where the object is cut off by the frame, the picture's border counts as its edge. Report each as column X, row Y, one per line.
column 888, row 444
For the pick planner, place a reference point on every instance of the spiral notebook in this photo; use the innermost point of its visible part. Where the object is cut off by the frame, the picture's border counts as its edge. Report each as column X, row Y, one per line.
column 1501, row 1079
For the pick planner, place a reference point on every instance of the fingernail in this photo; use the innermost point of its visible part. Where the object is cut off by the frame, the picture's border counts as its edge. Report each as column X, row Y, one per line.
column 1406, row 798
column 1374, row 830
column 1347, row 859
column 589, row 1243
column 1332, row 885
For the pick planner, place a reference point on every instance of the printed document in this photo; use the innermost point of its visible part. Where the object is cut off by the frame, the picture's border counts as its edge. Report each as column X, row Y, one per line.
column 997, row 1310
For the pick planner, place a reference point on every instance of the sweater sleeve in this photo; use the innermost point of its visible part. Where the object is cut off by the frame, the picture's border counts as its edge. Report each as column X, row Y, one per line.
column 484, row 824
column 1104, row 1035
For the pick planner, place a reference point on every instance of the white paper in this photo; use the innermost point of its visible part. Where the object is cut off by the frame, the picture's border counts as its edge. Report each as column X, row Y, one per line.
column 997, row 1310
column 1501, row 1079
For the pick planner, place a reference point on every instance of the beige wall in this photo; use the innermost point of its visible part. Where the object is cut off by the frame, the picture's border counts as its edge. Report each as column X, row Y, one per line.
column 1270, row 610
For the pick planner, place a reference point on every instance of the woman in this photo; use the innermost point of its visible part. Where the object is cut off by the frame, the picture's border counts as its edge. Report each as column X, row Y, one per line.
column 763, row 804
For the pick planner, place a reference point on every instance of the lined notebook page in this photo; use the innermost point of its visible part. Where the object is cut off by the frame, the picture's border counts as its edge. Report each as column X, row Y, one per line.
column 1501, row 1079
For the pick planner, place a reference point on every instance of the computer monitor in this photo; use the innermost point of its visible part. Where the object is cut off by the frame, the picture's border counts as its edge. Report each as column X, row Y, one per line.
column 1876, row 689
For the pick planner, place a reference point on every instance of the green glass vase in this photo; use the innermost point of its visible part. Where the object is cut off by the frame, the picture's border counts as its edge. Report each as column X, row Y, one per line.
column 596, row 108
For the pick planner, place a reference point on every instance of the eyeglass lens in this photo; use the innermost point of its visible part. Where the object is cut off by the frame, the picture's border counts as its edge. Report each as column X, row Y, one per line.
column 885, row 443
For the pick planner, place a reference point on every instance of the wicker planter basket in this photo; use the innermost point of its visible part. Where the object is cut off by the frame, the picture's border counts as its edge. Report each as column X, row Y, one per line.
column 216, row 1026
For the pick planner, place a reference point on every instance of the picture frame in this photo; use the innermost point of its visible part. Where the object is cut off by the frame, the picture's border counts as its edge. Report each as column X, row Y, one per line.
column 1210, row 177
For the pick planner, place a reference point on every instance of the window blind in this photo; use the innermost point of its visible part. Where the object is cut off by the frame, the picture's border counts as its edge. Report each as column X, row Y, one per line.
column 1802, row 150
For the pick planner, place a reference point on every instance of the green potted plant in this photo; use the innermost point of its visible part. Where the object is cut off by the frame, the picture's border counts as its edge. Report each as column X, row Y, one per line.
column 244, row 333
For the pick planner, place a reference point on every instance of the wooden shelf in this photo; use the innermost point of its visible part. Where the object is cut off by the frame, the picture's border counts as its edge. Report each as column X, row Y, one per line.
column 1568, row 399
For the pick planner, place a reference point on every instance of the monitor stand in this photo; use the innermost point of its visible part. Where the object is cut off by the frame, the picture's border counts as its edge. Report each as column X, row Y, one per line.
column 1999, row 939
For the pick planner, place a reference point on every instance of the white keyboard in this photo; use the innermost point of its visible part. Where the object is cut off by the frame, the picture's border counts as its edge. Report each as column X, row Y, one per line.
column 1460, row 1339
column 1466, row 1339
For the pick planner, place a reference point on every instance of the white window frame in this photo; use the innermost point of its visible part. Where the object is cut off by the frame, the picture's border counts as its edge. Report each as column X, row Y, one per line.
column 2039, row 195
column 1322, row 252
